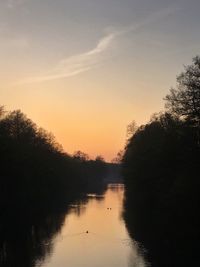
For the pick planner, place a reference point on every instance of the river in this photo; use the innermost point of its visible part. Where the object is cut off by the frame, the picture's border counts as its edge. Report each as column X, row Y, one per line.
column 93, row 234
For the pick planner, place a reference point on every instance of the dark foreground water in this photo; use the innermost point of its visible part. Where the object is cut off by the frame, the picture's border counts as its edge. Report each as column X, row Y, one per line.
column 88, row 233
column 106, row 243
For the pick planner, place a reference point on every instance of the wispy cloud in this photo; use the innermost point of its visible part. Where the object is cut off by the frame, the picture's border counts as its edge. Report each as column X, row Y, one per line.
column 76, row 64
column 83, row 62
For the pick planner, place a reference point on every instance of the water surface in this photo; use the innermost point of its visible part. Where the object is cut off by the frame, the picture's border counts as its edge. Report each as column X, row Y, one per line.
column 94, row 235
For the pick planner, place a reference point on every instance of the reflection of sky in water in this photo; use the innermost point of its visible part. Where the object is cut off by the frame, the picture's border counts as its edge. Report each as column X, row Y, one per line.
column 107, row 242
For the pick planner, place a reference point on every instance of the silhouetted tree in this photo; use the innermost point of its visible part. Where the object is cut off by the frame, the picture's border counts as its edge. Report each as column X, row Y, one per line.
column 131, row 129
column 37, row 182
column 35, row 171
column 119, row 157
column 184, row 101
column 161, row 166
column 1, row 111
column 79, row 155
column 100, row 158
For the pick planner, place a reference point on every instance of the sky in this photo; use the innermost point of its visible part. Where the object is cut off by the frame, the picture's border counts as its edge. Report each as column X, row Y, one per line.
column 85, row 69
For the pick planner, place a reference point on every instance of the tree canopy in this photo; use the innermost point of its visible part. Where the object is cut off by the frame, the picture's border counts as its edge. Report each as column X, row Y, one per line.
column 34, row 169
column 184, row 100
column 161, row 165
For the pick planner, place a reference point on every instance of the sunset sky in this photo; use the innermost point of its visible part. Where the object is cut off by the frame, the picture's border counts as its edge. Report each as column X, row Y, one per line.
column 84, row 69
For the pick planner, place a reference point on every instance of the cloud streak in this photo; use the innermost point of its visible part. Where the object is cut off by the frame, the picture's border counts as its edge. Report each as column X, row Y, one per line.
column 76, row 64
column 80, row 63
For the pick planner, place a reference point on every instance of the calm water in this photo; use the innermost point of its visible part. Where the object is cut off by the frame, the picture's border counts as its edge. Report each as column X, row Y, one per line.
column 107, row 242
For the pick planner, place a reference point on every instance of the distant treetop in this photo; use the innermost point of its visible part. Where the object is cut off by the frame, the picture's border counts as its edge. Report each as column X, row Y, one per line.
column 184, row 100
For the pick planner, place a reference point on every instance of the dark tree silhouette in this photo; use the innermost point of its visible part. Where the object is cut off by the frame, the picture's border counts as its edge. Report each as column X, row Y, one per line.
column 79, row 155
column 100, row 158
column 131, row 129
column 35, row 172
column 119, row 157
column 184, row 101
column 161, row 174
column 38, row 180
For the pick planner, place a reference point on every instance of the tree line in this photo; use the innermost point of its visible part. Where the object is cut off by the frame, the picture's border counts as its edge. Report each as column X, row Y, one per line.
column 161, row 173
column 35, row 172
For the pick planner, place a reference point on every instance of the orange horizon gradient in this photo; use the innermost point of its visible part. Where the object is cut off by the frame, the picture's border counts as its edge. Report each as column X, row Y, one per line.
column 94, row 133
column 83, row 113
column 94, row 127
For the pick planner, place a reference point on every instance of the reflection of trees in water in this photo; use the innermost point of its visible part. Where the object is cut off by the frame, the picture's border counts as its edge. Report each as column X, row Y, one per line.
column 137, row 256
column 25, row 242
column 98, row 198
column 136, row 259
column 116, row 187
column 96, row 193
column 27, row 237
column 78, row 208
column 166, row 245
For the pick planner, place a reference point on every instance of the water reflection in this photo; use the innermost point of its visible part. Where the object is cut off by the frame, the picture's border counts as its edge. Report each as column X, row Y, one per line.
column 172, row 242
column 89, row 233
column 96, row 237
column 26, row 241
column 137, row 258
